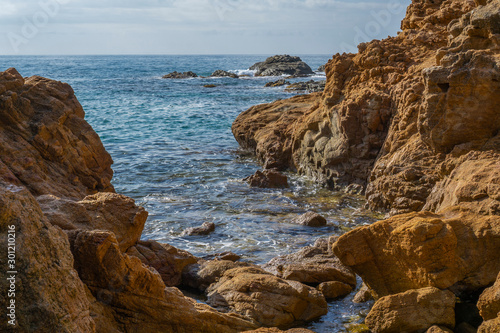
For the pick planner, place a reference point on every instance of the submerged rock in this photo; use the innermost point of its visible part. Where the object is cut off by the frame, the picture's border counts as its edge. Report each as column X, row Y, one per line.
column 221, row 73
column 278, row 83
column 281, row 65
column 267, row 179
column 178, row 75
column 310, row 219
column 205, row 229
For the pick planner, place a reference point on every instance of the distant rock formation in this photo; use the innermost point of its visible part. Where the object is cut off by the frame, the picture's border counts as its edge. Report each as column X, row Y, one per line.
column 308, row 86
column 178, row 75
column 222, row 73
column 282, row 65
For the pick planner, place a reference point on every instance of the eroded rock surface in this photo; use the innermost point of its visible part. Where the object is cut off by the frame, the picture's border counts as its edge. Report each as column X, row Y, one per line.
column 265, row 298
column 282, row 65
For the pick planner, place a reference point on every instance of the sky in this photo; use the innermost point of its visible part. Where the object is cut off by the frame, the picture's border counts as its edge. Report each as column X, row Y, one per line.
column 59, row 27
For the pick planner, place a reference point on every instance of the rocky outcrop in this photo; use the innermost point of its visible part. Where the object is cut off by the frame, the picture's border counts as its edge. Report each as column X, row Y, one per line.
column 265, row 298
column 46, row 143
column 137, row 295
column 412, row 311
column 179, row 75
column 222, row 73
column 102, row 211
column 449, row 250
column 281, row 65
column 48, row 295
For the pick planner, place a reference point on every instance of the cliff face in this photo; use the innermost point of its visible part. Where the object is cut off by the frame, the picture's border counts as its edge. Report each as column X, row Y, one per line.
column 414, row 120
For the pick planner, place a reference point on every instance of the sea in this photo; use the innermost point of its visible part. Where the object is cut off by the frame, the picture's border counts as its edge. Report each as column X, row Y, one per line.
column 174, row 153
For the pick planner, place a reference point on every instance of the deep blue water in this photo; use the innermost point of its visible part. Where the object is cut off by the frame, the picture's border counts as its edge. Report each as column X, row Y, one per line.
column 174, row 153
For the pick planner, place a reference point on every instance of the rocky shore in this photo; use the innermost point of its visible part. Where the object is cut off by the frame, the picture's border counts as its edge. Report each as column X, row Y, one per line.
column 412, row 122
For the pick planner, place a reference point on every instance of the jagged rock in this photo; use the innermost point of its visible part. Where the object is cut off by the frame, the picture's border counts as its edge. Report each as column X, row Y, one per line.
column 490, row 326
column 282, row 65
column 278, row 83
column 456, row 249
column 267, row 179
column 178, row 75
column 266, row 130
column 221, row 73
column 412, row 311
column 363, row 295
column 309, row 86
column 103, row 211
column 168, row 261
column 58, row 153
column 311, row 265
column 205, row 229
column 49, row 296
column 489, row 302
column 203, row 273
column 321, row 68
column 265, row 298
column 310, row 219
column 137, row 295
column 334, row 289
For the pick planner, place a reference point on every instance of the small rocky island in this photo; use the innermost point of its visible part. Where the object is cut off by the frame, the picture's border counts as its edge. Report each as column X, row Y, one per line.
column 282, row 65
column 412, row 122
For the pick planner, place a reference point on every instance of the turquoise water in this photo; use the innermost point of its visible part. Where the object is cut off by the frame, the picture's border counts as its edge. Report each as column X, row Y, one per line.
column 174, row 153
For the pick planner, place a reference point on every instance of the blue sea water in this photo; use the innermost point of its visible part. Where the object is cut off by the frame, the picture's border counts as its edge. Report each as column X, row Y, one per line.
column 174, row 153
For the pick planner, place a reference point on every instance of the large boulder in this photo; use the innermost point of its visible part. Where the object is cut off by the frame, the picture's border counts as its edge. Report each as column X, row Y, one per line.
column 168, row 261
column 412, row 311
column 102, row 211
column 282, row 65
column 267, row 299
column 45, row 141
column 137, row 295
column 311, row 265
column 455, row 249
column 489, row 308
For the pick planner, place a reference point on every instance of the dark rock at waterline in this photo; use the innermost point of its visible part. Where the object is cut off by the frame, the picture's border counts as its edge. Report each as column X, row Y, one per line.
column 267, row 179
column 178, row 75
column 231, row 256
column 321, row 68
column 205, row 229
column 222, row 73
column 310, row 219
column 209, row 86
column 309, row 86
column 282, row 65
column 278, row 83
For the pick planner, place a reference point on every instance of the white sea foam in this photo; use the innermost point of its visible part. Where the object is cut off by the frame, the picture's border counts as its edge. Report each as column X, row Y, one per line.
column 250, row 72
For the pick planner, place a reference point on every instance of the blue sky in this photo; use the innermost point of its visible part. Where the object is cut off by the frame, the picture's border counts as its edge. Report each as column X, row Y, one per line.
column 194, row 26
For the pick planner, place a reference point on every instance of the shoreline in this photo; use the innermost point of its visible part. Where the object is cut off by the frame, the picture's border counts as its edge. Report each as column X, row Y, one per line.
column 411, row 121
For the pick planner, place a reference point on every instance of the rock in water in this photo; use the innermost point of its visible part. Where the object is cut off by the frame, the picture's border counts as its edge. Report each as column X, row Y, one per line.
column 221, row 73
column 309, row 86
column 310, row 219
column 205, row 229
column 178, row 75
column 282, row 65
column 278, row 83
column 267, row 179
